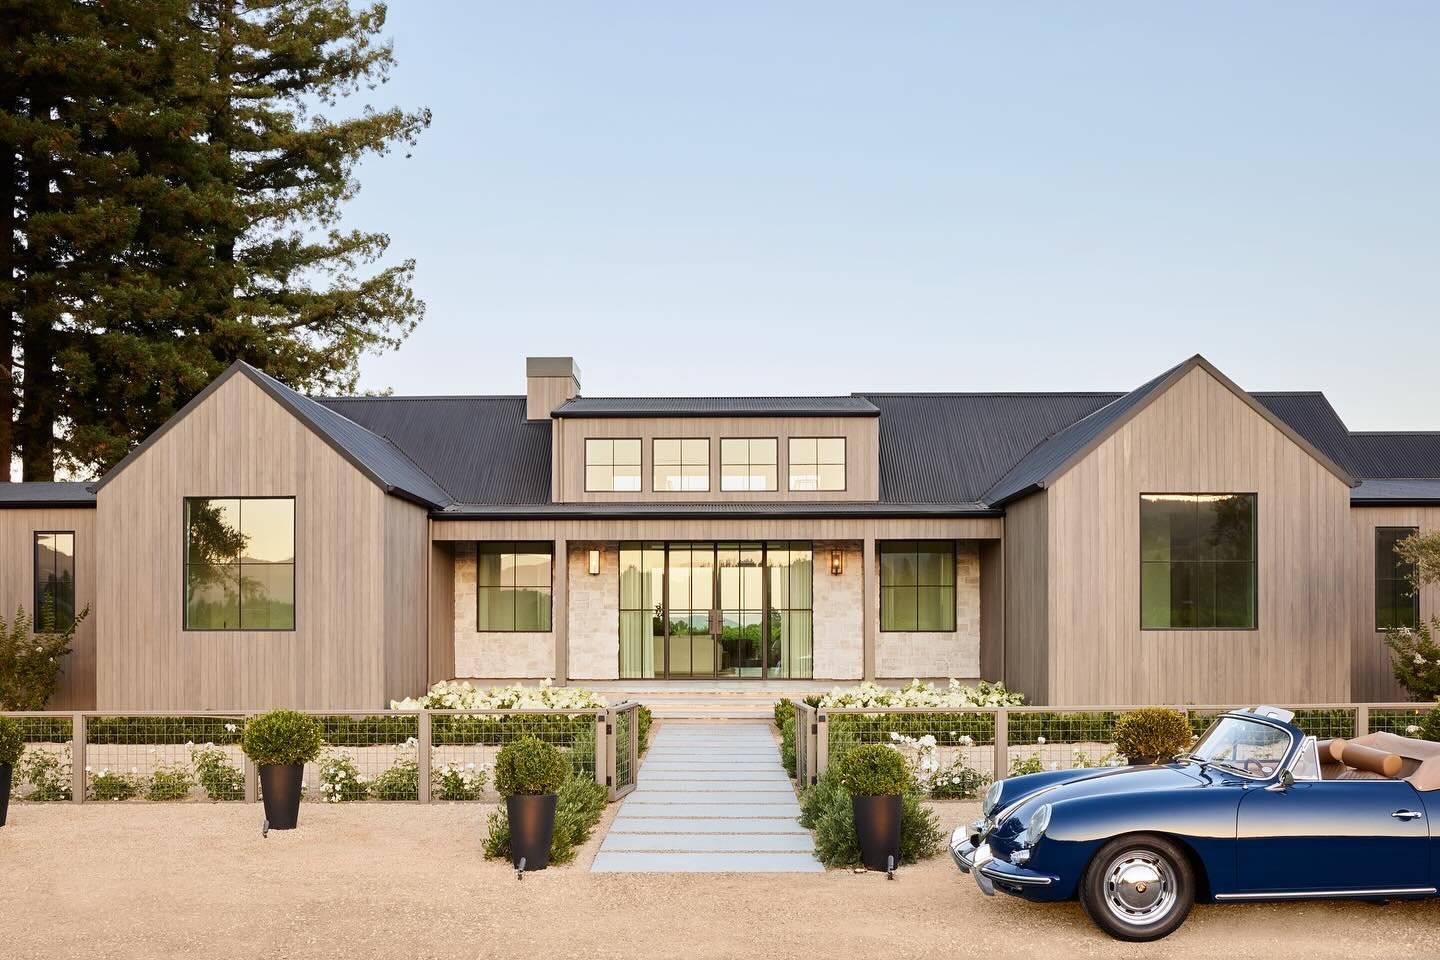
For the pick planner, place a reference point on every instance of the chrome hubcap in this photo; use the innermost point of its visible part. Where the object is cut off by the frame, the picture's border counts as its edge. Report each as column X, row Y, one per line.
column 1139, row 887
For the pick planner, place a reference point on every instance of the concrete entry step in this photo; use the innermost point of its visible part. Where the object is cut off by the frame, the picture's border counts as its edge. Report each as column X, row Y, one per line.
column 709, row 798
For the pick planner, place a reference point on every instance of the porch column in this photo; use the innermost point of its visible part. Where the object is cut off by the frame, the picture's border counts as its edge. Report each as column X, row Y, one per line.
column 560, row 611
column 869, row 605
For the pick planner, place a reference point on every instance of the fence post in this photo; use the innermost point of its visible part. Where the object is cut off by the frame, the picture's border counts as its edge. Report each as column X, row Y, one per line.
column 252, row 774
column 422, row 758
column 1362, row 720
column 635, row 743
column 604, row 733
column 822, row 743
column 78, row 780
column 1002, row 743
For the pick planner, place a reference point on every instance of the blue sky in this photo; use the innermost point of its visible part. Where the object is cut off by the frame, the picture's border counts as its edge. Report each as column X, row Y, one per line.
column 770, row 197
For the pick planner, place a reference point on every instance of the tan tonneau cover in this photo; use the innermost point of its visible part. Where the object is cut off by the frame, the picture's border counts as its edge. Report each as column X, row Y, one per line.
column 1422, row 757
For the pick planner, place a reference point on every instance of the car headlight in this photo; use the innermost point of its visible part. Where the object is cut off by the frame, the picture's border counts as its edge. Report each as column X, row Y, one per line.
column 1039, row 821
column 992, row 798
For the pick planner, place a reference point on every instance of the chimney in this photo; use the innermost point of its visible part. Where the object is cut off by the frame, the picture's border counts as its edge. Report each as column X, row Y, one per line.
column 549, row 382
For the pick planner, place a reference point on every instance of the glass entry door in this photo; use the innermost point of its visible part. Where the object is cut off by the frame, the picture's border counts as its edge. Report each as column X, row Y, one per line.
column 709, row 610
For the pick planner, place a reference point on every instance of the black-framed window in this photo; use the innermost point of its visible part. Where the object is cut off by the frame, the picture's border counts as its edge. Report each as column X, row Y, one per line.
column 1397, row 602
column 1198, row 561
column 612, row 465
column 681, row 464
column 817, row 463
column 54, row 610
column 749, row 463
column 513, row 583
column 239, row 563
column 917, row 585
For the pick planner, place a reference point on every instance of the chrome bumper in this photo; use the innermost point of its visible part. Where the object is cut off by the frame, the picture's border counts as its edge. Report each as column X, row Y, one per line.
column 987, row 870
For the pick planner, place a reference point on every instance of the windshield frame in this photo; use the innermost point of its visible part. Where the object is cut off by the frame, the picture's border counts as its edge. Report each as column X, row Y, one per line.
column 1282, row 764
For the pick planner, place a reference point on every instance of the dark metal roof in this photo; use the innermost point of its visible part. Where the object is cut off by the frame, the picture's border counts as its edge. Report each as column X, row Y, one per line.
column 952, row 447
column 1050, row 455
column 480, row 449
column 1396, row 493
column 851, row 406
column 1408, row 455
column 548, row 511
column 38, row 494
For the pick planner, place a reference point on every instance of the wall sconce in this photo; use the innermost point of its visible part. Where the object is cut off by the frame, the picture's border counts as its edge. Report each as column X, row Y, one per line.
column 837, row 563
column 594, row 567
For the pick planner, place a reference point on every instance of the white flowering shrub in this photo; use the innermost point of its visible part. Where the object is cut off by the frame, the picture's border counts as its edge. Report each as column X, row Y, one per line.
column 47, row 772
column 219, row 778
column 340, row 780
column 1415, row 658
column 106, row 784
column 455, row 781
column 941, row 781
column 954, row 696
column 462, row 695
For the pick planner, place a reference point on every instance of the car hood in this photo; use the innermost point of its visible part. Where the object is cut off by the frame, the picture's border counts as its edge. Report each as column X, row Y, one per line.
column 1098, row 781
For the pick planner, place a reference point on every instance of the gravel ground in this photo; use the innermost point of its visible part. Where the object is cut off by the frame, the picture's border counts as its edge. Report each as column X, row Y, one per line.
column 395, row 880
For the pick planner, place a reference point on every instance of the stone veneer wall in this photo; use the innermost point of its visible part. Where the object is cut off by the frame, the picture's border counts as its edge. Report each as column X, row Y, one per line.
column 905, row 655
column 498, row 655
column 594, row 612
column 839, row 613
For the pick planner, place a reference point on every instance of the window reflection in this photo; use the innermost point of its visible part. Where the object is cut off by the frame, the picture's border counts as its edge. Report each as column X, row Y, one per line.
column 54, row 582
column 240, row 563
column 817, row 463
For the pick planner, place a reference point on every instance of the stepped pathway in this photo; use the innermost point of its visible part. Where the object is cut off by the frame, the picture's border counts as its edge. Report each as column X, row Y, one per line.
column 710, row 797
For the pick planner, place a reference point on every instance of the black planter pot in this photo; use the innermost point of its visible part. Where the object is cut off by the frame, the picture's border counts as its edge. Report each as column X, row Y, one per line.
column 5, row 773
column 532, row 827
column 280, row 790
column 877, row 825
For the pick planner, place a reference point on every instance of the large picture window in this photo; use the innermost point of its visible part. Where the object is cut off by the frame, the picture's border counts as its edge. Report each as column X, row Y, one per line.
column 240, row 563
column 817, row 463
column 748, row 464
column 1197, row 561
column 612, row 465
column 1397, row 602
column 917, row 585
column 54, row 581
column 682, row 465
column 513, row 580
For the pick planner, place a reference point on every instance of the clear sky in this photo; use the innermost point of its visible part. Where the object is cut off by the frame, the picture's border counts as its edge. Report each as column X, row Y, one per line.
column 771, row 197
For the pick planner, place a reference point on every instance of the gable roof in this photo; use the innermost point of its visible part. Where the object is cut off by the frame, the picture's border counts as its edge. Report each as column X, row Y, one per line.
column 375, row 456
column 1043, row 465
column 851, row 406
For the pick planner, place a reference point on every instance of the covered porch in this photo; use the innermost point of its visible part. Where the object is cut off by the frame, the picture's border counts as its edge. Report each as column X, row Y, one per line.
column 718, row 604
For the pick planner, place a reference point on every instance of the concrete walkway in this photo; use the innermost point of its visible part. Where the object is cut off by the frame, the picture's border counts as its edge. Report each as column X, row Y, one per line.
column 710, row 798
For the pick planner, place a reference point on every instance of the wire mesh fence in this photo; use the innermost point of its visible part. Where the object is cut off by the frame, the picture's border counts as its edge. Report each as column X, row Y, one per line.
column 803, row 735
column 44, row 772
column 623, row 749
column 162, row 758
column 952, row 752
column 465, row 745
column 961, row 745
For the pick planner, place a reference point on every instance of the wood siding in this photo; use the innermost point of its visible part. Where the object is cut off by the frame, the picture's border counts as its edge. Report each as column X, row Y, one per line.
column 442, row 611
column 862, row 456
column 406, row 638
column 992, row 609
column 17, row 589
column 1198, row 437
column 1371, row 677
column 1027, row 597
column 238, row 443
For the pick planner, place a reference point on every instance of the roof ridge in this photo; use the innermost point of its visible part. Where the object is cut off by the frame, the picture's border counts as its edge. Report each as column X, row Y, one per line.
column 1395, row 433
column 989, row 393
column 413, row 396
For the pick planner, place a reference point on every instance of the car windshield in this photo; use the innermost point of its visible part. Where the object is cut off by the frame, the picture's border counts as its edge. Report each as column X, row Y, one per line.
column 1245, row 746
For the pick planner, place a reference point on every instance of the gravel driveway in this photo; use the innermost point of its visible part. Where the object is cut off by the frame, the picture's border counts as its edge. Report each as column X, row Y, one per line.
column 396, row 880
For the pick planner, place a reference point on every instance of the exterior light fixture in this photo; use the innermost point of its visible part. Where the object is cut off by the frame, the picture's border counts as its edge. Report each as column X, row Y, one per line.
column 837, row 563
column 594, row 563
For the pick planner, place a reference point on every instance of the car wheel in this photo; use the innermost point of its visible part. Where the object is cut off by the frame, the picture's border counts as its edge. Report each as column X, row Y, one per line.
column 1138, row 888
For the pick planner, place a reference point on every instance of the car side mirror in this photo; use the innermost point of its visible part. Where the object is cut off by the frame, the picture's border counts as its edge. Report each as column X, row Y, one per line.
column 1286, row 781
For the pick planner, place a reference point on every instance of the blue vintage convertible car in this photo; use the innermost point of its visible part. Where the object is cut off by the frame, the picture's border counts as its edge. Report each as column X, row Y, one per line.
column 1255, row 811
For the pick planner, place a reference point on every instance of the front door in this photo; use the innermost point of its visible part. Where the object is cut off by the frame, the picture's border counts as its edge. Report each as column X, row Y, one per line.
column 1332, row 835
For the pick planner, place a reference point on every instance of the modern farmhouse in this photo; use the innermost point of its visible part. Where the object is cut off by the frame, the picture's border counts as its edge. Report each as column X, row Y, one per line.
column 1183, row 542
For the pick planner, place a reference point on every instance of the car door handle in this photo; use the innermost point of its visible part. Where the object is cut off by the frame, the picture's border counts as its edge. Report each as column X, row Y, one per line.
column 1407, row 814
